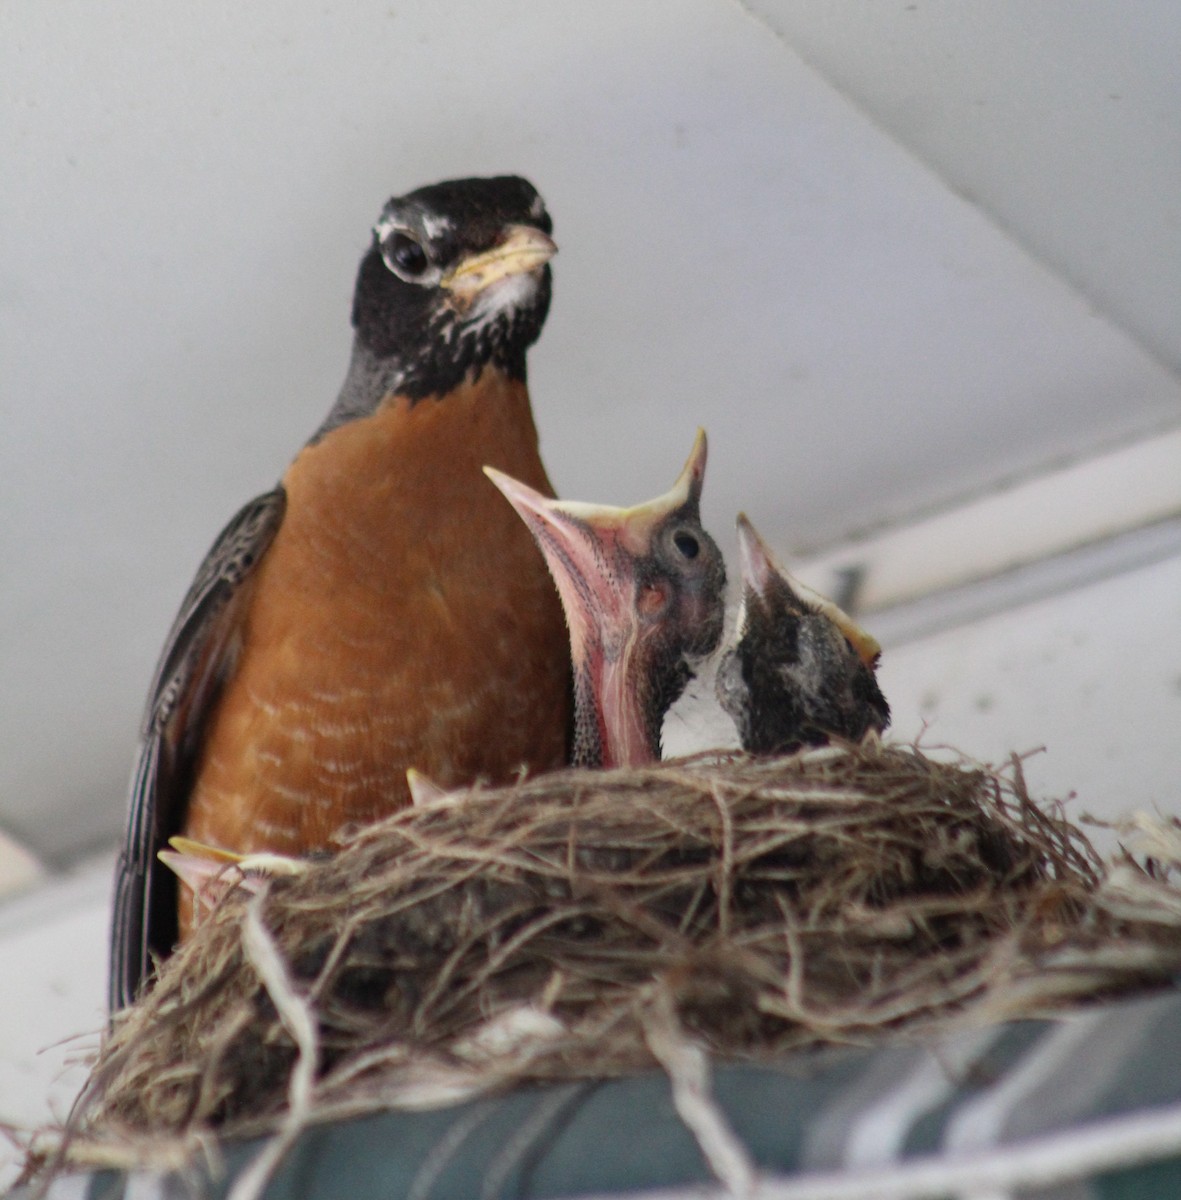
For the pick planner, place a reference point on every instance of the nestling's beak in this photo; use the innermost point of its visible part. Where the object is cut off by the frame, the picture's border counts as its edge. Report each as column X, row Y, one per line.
column 759, row 570
column 633, row 528
column 592, row 549
column 210, row 872
column 642, row 591
column 523, row 248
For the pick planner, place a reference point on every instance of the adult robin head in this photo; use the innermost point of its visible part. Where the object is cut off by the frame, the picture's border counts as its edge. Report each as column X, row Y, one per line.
column 381, row 609
column 456, row 278
column 643, row 591
column 800, row 670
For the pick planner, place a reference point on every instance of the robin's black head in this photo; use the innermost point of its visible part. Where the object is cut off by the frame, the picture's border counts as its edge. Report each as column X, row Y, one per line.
column 800, row 671
column 455, row 278
column 644, row 593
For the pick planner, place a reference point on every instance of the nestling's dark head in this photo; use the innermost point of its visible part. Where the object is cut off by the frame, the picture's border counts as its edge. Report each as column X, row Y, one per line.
column 455, row 278
column 800, row 670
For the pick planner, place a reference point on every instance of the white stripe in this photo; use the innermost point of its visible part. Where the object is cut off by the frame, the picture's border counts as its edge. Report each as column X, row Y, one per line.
column 68, row 1187
column 981, row 1122
column 1095, row 1044
column 146, row 1185
column 1058, row 1158
column 827, row 1133
column 879, row 1132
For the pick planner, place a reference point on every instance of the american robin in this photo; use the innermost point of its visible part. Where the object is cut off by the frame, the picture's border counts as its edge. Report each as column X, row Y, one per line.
column 799, row 670
column 382, row 608
column 644, row 594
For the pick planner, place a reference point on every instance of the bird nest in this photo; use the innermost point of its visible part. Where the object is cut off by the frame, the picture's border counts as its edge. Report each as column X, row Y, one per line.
column 562, row 926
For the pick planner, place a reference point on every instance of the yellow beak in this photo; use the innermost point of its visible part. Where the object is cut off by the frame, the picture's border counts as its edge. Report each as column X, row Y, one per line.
column 524, row 248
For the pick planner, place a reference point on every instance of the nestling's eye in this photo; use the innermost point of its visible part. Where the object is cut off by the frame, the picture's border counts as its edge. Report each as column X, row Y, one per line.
column 686, row 543
column 405, row 257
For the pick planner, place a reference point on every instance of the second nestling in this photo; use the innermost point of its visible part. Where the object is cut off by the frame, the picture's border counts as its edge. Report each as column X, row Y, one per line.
column 800, row 671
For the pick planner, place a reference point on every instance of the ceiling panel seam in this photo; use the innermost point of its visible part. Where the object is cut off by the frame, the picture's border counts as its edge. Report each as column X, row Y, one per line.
column 1057, row 270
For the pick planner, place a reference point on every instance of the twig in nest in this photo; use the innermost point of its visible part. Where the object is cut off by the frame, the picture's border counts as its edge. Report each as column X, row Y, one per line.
column 688, row 1072
column 263, row 955
column 725, row 863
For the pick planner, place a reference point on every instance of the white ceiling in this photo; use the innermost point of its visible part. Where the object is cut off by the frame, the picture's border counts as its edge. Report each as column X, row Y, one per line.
column 1061, row 119
column 942, row 255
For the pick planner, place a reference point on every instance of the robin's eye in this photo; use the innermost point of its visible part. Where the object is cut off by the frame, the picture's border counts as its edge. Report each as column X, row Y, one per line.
column 405, row 257
column 686, row 543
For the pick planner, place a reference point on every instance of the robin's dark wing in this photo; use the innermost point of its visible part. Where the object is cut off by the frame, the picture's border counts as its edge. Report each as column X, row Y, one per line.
column 198, row 655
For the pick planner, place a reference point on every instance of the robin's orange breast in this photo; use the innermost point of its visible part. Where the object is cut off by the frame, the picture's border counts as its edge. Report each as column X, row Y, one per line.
column 401, row 618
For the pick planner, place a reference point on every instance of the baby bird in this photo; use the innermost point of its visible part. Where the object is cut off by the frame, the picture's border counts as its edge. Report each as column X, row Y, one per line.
column 800, row 671
column 643, row 589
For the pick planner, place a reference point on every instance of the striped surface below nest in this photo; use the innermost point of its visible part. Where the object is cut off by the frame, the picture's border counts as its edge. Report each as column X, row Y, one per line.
column 545, row 931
